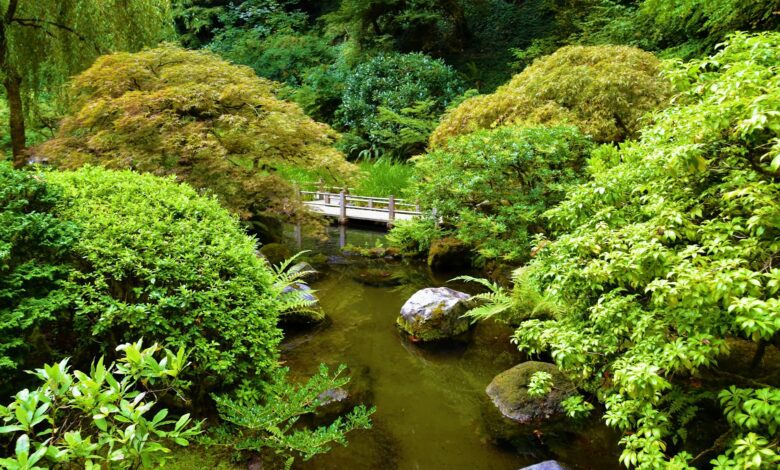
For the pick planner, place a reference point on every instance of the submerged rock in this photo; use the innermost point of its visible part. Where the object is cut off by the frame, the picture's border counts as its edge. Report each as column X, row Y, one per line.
column 435, row 313
column 313, row 313
column 546, row 465
column 377, row 277
column 509, row 393
column 448, row 254
column 306, row 272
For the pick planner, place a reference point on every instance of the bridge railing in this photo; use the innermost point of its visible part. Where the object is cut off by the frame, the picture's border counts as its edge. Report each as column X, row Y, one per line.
column 344, row 201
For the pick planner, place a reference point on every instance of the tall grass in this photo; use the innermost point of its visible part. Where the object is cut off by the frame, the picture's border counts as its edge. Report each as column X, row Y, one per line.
column 380, row 177
column 384, row 177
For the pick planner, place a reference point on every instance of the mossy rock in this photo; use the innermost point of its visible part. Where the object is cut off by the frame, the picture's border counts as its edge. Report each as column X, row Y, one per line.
column 514, row 415
column 275, row 253
column 435, row 313
column 377, row 277
column 449, row 253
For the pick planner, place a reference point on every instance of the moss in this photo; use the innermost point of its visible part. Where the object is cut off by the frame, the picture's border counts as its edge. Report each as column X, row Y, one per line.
column 448, row 253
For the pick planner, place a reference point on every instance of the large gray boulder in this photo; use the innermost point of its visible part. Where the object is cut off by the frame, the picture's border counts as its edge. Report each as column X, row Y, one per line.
column 435, row 313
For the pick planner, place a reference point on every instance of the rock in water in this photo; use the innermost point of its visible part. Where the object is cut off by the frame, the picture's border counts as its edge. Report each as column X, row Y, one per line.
column 305, row 271
column 546, row 465
column 435, row 313
column 509, row 393
column 311, row 314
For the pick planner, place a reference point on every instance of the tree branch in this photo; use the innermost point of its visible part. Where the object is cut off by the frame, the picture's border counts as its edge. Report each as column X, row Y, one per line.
column 35, row 22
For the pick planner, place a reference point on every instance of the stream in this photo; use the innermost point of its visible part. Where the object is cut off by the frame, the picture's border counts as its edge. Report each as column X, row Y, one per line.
column 430, row 399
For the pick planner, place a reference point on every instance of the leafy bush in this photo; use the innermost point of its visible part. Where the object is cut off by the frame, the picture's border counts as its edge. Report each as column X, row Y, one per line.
column 96, row 420
column 158, row 261
column 274, row 424
column 414, row 236
column 394, row 82
column 493, row 185
column 668, row 252
column 699, row 25
column 603, row 90
column 35, row 247
column 214, row 125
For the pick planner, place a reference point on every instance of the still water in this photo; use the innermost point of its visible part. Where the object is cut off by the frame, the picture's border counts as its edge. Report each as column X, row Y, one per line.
column 429, row 400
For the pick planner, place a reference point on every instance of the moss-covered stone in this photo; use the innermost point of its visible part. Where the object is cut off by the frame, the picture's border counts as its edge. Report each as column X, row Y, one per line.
column 514, row 414
column 448, row 253
column 434, row 313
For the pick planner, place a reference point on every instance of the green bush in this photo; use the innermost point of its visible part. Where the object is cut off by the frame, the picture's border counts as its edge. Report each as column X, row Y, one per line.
column 158, row 261
column 493, row 185
column 395, row 82
column 603, row 90
column 665, row 255
column 35, row 248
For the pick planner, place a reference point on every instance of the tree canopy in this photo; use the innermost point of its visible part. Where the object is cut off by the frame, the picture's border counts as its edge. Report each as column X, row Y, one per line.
column 216, row 126
column 603, row 90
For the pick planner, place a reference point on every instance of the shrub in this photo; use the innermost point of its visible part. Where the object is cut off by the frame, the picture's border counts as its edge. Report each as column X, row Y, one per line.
column 256, row 427
column 96, row 420
column 158, row 261
column 667, row 253
column 394, row 82
column 414, row 236
column 603, row 90
column 214, row 125
column 35, row 247
column 493, row 185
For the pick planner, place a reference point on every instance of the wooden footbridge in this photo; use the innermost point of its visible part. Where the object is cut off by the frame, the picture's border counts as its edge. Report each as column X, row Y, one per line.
column 345, row 207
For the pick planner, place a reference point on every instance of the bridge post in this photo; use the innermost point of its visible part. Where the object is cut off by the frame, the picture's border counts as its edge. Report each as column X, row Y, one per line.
column 391, row 211
column 343, row 207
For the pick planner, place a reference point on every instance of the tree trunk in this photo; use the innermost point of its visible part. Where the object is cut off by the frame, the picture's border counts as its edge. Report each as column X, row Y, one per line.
column 13, row 88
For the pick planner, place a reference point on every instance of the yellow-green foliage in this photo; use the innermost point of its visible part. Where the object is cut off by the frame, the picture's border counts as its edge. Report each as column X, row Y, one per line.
column 604, row 90
column 188, row 113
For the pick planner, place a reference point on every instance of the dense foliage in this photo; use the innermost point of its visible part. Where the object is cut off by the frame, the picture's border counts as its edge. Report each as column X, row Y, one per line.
column 390, row 84
column 35, row 246
column 214, row 125
column 42, row 43
column 603, row 90
column 493, row 185
column 94, row 420
column 666, row 259
column 160, row 262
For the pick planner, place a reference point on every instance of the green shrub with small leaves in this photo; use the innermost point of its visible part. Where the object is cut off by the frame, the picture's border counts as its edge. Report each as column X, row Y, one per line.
column 157, row 260
column 35, row 248
column 98, row 419
column 273, row 425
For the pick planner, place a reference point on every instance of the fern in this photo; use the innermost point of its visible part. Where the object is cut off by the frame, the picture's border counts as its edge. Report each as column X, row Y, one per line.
column 284, row 287
column 490, row 304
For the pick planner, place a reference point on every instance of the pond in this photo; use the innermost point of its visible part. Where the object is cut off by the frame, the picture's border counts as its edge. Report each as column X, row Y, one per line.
column 430, row 399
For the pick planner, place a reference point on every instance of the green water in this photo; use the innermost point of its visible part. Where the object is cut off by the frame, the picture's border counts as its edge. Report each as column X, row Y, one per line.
column 429, row 400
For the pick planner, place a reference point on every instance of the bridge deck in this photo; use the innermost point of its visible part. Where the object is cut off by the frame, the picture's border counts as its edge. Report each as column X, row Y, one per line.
column 359, row 213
